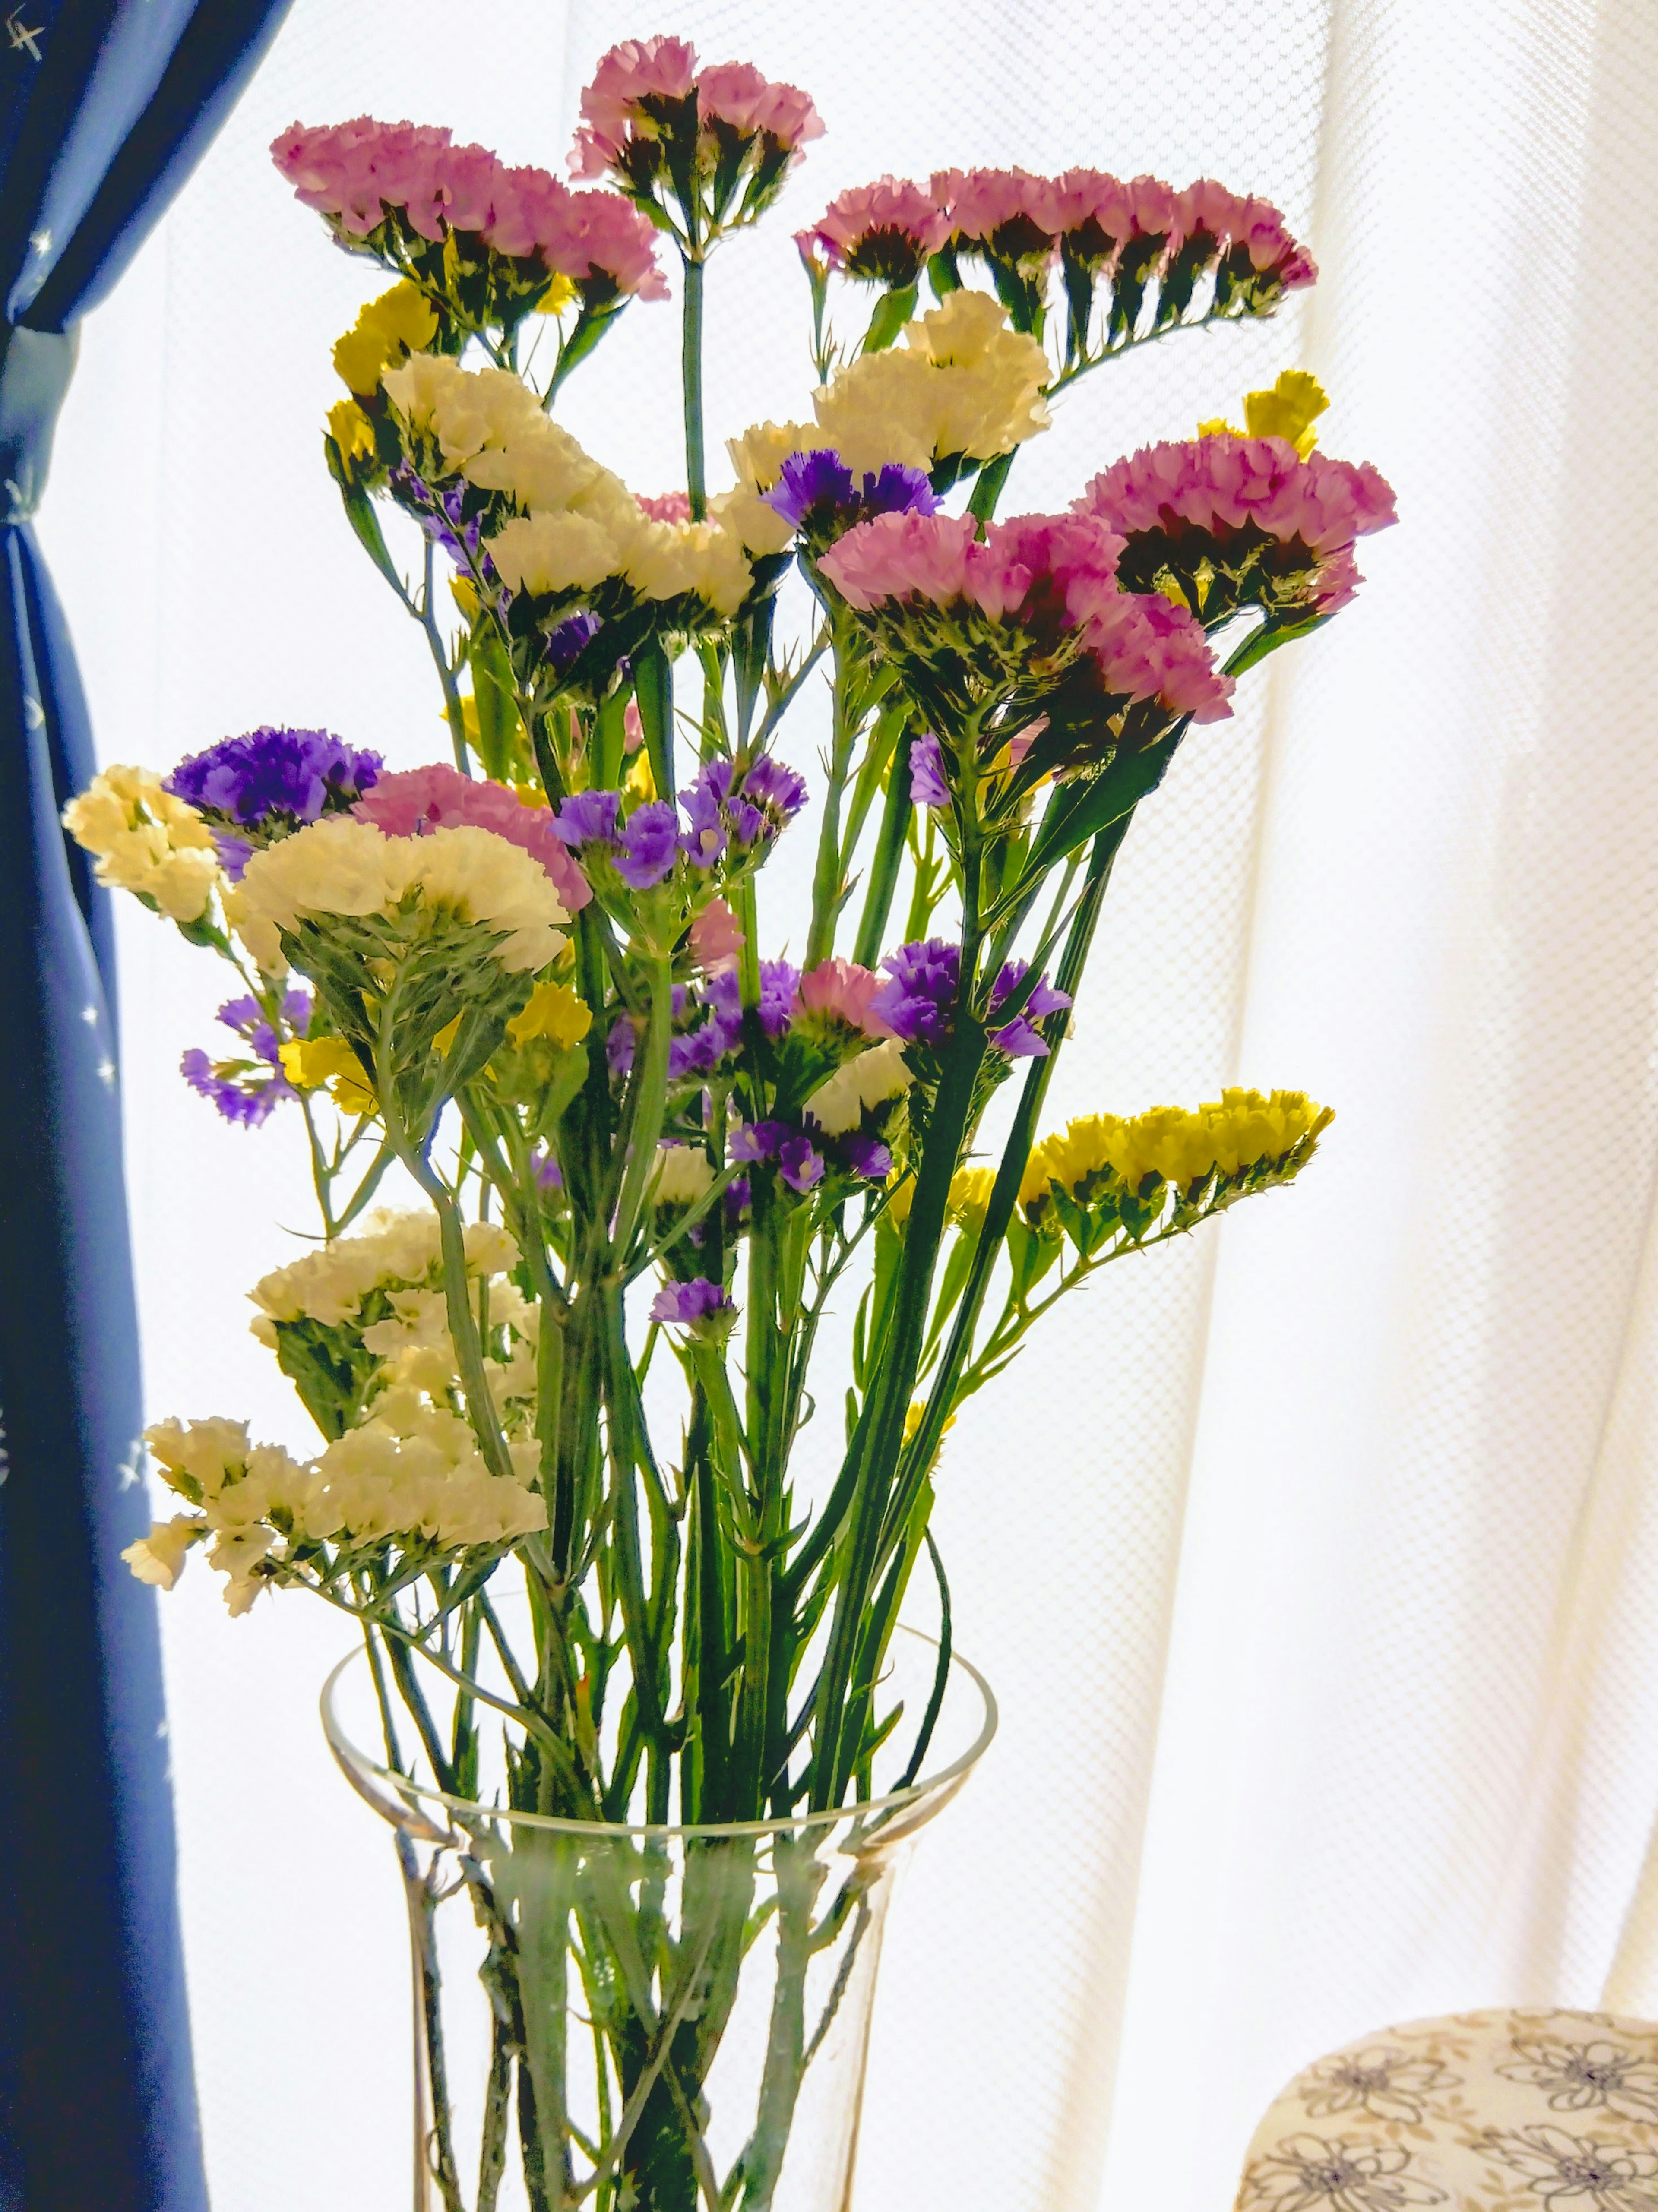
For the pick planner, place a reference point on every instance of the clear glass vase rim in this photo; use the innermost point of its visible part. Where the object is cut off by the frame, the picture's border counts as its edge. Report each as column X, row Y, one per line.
column 350, row 1755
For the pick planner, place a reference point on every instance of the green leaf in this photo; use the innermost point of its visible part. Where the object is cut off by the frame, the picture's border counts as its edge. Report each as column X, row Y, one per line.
column 893, row 310
column 360, row 513
column 498, row 725
column 653, row 682
column 1268, row 638
column 1078, row 812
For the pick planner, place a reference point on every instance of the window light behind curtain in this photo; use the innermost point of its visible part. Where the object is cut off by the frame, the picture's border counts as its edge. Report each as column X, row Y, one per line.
column 1317, row 1565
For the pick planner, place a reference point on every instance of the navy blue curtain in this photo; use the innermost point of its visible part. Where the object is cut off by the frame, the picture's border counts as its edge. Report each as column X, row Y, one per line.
column 105, row 107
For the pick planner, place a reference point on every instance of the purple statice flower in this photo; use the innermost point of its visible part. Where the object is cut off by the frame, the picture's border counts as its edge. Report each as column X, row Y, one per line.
column 546, row 1170
column 235, row 853
column 799, row 1162
column 441, row 511
column 817, row 494
column 779, row 979
column 743, row 806
column 641, row 847
column 867, row 1157
column 245, row 1091
column 650, row 838
column 567, row 640
column 927, row 784
column 919, row 1003
column 738, row 1197
column 700, row 1306
column 756, row 1140
column 273, row 780
column 1017, row 1038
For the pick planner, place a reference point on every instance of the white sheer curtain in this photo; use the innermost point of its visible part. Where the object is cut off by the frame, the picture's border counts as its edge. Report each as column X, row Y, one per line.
column 1316, row 1563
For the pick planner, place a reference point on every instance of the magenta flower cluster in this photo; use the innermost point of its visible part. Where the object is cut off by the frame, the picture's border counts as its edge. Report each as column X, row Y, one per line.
column 358, row 172
column 1042, row 571
column 886, row 231
column 1223, row 484
column 643, row 80
column 919, row 1002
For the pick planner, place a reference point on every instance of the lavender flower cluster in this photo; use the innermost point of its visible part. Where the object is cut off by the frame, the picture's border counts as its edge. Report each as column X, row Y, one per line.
column 246, row 1091
column 731, row 813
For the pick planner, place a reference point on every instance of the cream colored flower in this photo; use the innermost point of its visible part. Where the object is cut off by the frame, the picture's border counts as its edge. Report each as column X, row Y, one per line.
column 882, row 407
column 757, row 527
column 869, row 1081
column 206, row 1453
column 684, row 1174
column 988, row 377
column 159, row 1558
column 146, row 841
column 330, row 1283
column 240, row 1556
column 421, row 385
column 758, row 455
column 566, row 552
column 665, row 560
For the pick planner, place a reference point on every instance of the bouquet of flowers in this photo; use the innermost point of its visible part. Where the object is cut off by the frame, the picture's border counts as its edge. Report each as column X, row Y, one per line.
column 636, row 1686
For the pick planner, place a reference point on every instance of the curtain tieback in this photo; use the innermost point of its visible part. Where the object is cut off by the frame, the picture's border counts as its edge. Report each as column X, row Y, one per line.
column 35, row 368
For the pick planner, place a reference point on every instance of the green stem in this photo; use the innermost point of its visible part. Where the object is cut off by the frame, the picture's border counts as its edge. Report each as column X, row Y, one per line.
column 452, row 709
column 889, row 855
column 692, row 368
column 826, row 877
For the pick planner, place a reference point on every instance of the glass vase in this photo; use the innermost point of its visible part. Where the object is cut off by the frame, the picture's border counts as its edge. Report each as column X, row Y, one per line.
column 636, row 2019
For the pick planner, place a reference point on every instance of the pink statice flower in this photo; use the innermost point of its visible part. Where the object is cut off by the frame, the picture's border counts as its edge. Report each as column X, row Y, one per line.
column 1008, row 214
column 929, row 556
column 600, row 234
column 1223, row 485
column 1256, row 225
column 637, row 72
column 421, row 800
column 739, row 95
column 352, row 172
column 1148, row 648
column 841, row 990
column 716, row 939
column 1094, row 210
column 884, row 233
column 665, row 506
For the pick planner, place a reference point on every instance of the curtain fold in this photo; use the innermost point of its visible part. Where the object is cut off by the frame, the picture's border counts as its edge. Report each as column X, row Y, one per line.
column 105, row 110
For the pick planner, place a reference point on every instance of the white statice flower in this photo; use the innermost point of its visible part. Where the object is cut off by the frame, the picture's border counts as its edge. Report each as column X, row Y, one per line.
column 339, row 865
column 158, row 1557
column 145, row 841
column 964, row 382
column 420, row 385
column 414, row 1470
column 684, row 1174
column 199, row 1457
column 550, row 553
column 394, row 1247
column 988, row 378
column 419, row 1322
column 746, row 517
column 239, row 1554
column 758, row 455
column 665, row 560
column 882, row 407
column 867, row 1082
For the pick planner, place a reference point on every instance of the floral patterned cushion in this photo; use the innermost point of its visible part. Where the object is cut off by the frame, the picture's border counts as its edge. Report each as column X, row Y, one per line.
column 1489, row 2112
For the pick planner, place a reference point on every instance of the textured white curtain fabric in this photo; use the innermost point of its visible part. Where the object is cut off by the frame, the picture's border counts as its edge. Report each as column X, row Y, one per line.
column 1316, row 1562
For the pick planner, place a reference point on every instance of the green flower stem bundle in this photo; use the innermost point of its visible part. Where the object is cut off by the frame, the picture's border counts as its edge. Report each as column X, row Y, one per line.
column 532, row 984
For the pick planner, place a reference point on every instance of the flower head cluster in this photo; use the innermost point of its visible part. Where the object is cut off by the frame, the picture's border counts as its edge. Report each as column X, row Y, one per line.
column 1124, row 1167
column 884, row 233
column 963, row 382
column 1035, row 583
column 419, row 800
column 245, row 1091
column 718, row 141
column 735, row 807
column 641, row 847
column 919, row 1001
column 146, row 840
column 250, row 790
column 409, row 1475
column 574, row 531
column 342, row 867
column 390, row 185
column 817, row 494
column 703, row 1310
column 398, row 323
column 397, row 1248
column 1281, row 525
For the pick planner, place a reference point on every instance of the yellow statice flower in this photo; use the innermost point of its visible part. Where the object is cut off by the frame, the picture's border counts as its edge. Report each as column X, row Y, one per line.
column 970, row 1195
column 310, row 1062
column 556, row 297
column 553, row 1011
column 1241, row 1131
column 1287, row 411
column 901, row 1195
column 399, row 322
column 1246, row 1128
column 640, row 781
column 916, row 1414
column 352, row 431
